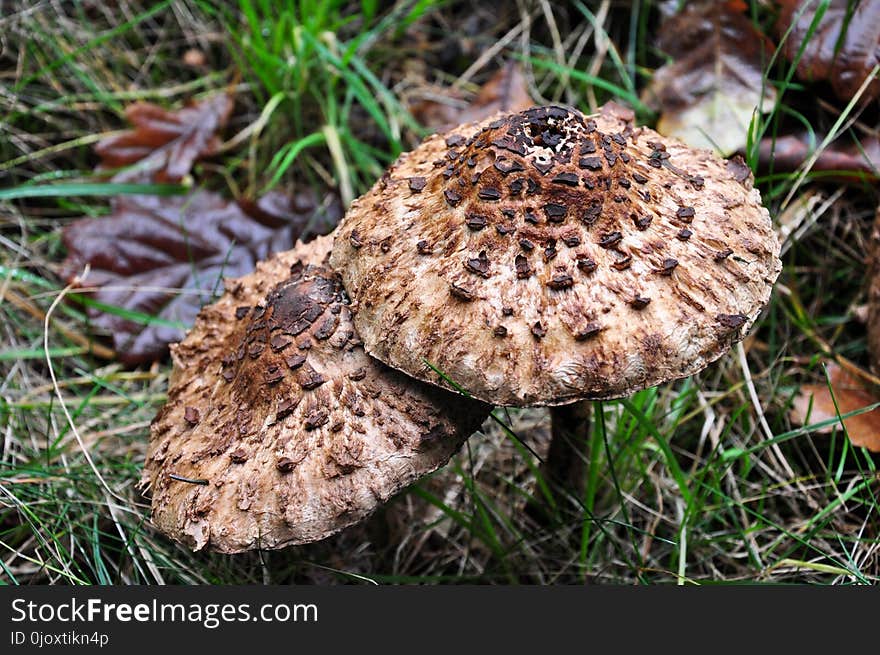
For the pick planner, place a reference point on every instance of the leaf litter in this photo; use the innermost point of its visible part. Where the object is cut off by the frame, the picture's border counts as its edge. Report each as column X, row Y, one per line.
column 505, row 91
column 853, row 160
column 846, row 389
column 842, row 394
column 165, row 143
column 154, row 261
column 708, row 94
column 842, row 48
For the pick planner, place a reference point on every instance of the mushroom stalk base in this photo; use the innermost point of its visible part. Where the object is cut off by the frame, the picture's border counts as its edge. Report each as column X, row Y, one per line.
column 565, row 466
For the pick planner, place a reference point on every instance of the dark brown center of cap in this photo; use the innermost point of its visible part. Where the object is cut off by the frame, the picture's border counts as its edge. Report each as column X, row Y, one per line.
column 297, row 314
column 550, row 182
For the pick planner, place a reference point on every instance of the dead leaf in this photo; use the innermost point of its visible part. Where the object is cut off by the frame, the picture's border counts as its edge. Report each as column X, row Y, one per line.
column 814, row 403
column 164, row 257
column 845, row 60
column 855, row 161
column 708, row 94
column 166, row 143
column 505, row 91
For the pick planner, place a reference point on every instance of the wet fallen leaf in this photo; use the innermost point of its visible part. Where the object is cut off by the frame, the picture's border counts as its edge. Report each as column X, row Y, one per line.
column 505, row 91
column 166, row 143
column 814, row 403
column 708, row 94
column 162, row 258
column 856, row 161
column 844, row 48
column 154, row 261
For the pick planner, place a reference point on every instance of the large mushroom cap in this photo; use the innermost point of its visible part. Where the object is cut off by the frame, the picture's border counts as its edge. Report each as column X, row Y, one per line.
column 544, row 256
column 279, row 429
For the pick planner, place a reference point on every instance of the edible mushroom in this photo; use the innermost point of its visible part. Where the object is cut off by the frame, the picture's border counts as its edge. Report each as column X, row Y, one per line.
column 279, row 429
column 545, row 257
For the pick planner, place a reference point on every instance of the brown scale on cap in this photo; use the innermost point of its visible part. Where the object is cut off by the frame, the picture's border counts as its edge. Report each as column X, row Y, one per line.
column 304, row 434
column 604, row 215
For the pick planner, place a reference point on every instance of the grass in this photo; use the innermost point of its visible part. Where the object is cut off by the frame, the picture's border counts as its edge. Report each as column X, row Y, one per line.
column 686, row 485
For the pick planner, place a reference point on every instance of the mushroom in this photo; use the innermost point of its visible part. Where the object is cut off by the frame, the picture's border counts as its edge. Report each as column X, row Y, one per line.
column 279, row 429
column 546, row 257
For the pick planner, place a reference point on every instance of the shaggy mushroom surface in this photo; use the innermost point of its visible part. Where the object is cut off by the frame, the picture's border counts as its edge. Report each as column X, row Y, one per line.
column 279, row 429
column 545, row 256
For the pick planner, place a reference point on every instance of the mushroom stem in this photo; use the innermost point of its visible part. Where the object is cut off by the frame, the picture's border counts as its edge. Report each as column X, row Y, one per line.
column 567, row 457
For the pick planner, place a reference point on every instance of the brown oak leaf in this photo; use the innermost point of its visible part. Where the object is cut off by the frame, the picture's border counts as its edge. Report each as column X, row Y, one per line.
column 167, row 143
column 154, row 261
column 708, row 94
column 844, row 48
column 814, row 404
column 164, row 257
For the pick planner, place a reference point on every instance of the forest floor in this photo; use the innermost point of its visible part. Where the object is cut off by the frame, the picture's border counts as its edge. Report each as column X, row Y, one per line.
column 703, row 480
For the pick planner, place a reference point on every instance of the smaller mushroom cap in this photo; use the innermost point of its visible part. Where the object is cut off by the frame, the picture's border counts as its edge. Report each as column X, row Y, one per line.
column 279, row 429
column 544, row 257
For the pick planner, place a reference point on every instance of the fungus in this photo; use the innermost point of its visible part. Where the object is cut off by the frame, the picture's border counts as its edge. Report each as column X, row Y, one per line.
column 642, row 299
column 304, row 436
column 671, row 250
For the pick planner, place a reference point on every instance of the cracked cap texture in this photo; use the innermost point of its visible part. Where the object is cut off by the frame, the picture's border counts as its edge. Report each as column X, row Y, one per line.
column 545, row 256
column 279, row 429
